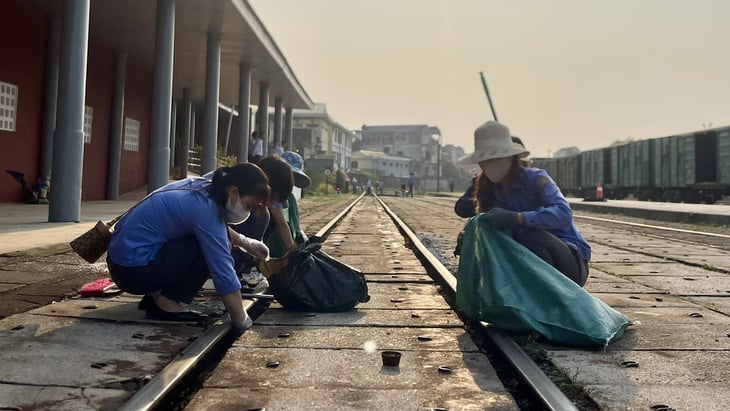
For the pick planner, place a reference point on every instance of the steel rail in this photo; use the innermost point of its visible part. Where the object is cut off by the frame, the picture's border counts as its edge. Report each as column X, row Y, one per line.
column 655, row 227
column 332, row 223
column 150, row 396
column 550, row 395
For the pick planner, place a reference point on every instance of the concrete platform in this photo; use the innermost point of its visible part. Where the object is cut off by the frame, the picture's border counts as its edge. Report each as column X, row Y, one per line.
column 717, row 214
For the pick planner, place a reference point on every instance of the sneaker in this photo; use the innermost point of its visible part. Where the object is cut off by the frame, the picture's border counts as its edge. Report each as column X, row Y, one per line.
column 261, row 287
column 253, row 278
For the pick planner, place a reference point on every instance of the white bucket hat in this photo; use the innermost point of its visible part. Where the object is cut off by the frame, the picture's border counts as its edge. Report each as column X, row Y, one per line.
column 492, row 140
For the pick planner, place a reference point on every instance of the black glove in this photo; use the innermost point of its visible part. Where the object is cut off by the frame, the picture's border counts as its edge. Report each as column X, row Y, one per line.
column 459, row 240
column 500, row 218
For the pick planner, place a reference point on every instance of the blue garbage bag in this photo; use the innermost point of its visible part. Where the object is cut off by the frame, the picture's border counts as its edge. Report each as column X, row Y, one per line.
column 503, row 283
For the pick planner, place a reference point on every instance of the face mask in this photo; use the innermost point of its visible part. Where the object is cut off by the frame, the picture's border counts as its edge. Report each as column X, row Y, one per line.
column 496, row 169
column 237, row 213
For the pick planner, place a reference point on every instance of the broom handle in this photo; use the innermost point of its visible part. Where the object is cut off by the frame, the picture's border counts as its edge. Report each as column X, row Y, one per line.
column 489, row 98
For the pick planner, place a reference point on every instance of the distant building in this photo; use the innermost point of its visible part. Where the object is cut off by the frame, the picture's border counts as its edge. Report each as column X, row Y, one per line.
column 419, row 143
column 316, row 135
column 451, row 153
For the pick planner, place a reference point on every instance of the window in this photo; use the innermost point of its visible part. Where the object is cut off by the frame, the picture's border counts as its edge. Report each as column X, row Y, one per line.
column 88, row 120
column 131, row 134
column 8, row 106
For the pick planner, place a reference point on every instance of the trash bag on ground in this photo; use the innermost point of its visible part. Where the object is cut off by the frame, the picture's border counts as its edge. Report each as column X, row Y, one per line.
column 503, row 283
column 315, row 281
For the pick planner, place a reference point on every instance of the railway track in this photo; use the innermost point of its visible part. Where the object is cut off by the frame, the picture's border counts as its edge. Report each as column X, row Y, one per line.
column 673, row 284
column 541, row 389
column 429, row 226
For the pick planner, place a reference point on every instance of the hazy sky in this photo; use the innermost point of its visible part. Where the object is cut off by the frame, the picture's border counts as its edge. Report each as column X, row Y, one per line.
column 561, row 73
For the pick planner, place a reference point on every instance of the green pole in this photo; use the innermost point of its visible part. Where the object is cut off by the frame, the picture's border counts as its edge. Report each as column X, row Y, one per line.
column 489, row 98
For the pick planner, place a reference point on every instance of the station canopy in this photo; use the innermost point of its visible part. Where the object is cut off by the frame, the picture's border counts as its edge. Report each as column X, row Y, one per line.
column 129, row 26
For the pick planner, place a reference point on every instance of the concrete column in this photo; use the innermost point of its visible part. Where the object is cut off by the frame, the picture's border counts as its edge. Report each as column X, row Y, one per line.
column 228, row 130
column 159, row 158
column 288, row 128
column 263, row 113
column 278, row 105
column 193, row 125
column 173, row 132
column 185, row 133
column 116, row 133
column 244, row 103
column 212, row 92
column 68, row 138
column 51, row 95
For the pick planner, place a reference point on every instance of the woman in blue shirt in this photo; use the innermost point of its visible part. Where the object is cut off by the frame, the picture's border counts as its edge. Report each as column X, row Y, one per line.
column 172, row 241
column 527, row 201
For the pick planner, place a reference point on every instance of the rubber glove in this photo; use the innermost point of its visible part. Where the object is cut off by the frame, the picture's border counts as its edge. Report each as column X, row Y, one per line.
column 239, row 328
column 459, row 241
column 254, row 247
column 500, row 218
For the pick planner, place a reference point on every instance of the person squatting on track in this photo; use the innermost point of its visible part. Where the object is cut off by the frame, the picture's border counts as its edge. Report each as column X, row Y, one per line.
column 170, row 243
column 525, row 200
column 278, row 224
column 258, row 225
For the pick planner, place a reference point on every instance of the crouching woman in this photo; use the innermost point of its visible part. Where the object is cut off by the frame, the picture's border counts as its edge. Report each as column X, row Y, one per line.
column 527, row 202
column 168, row 245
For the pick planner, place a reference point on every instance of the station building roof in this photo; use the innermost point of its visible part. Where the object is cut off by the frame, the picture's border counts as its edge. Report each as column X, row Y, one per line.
column 129, row 26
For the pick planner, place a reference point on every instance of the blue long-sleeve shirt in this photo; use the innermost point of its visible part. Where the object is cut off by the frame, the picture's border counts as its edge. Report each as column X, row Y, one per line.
column 540, row 201
column 168, row 215
column 466, row 206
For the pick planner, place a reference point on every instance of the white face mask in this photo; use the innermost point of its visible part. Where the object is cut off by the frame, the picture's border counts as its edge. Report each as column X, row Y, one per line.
column 496, row 169
column 237, row 213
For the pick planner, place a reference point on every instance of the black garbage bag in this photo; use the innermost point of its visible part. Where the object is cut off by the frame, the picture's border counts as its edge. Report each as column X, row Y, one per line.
column 315, row 281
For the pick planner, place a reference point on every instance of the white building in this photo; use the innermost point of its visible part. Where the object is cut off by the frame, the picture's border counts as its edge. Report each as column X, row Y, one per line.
column 381, row 164
column 317, row 135
column 420, row 143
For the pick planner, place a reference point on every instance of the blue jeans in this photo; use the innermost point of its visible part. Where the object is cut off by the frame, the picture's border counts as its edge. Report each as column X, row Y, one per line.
column 178, row 272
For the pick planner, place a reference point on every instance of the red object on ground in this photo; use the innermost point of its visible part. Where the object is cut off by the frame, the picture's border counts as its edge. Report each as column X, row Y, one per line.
column 99, row 288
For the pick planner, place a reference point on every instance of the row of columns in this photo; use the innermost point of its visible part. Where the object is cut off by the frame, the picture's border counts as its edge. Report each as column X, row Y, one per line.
column 65, row 83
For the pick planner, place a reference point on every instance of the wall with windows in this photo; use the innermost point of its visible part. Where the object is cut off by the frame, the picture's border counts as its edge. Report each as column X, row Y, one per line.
column 137, row 107
column 99, row 83
column 23, row 71
column 22, row 66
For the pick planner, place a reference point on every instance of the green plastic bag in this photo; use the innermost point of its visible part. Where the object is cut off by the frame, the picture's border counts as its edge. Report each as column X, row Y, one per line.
column 503, row 283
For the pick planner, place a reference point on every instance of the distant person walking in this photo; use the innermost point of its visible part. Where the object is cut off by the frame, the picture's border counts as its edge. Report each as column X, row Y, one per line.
column 258, row 147
column 411, row 184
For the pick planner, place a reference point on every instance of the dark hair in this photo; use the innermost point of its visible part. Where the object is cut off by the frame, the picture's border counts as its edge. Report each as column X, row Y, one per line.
column 523, row 162
column 247, row 177
column 484, row 193
column 280, row 176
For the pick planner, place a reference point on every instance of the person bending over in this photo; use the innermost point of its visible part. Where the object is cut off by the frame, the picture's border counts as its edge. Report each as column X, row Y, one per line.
column 172, row 241
column 527, row 202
